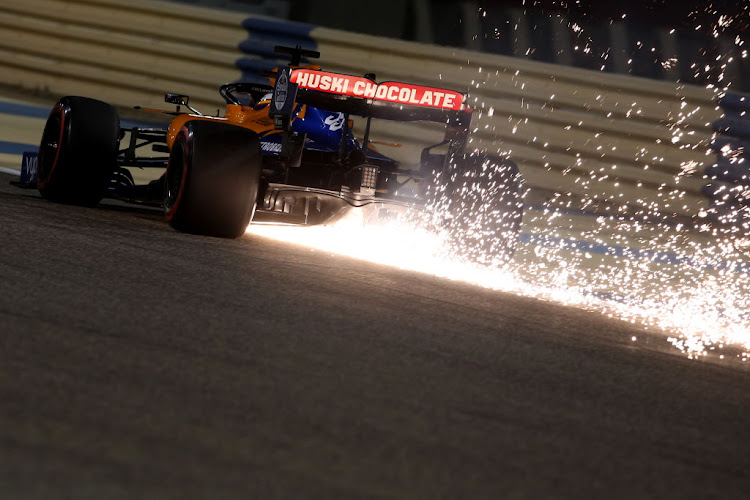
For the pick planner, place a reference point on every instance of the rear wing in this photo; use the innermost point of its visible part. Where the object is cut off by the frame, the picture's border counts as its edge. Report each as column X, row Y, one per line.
column 364, row 97
column 354, row 95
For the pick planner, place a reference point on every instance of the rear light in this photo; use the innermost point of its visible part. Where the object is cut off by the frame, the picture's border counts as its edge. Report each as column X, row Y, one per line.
column 369, row 179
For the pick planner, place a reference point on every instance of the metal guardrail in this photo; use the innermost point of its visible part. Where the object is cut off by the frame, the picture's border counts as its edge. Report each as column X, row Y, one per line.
column 265, row 34
column 625, row 141
column 123, row 52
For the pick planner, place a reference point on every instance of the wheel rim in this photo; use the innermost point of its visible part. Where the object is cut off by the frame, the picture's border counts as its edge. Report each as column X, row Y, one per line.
column 175, row 177
column 51, row 145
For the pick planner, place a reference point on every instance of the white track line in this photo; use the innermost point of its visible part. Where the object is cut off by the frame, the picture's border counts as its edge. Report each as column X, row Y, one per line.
column 6, row 170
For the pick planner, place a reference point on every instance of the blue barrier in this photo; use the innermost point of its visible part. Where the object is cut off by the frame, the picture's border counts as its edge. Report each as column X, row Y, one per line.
column 263, row 36
column 14, row 148
column 734, row 124
column 659, row 256
column 729, row 171
column 730, row 175
column 737, row 102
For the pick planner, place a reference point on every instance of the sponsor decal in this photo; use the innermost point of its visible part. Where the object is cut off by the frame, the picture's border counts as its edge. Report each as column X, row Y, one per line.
column 335, row 121
column 403, row 93
column 282, row 87
column 270, row 147
column 28, row 168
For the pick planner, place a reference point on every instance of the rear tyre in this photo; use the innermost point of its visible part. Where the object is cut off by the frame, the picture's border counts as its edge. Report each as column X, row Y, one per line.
column 211, row 184
column 476, row 203
column 78, row 152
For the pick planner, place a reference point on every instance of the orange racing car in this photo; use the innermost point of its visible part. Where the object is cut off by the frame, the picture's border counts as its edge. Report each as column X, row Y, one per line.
column 287, row 154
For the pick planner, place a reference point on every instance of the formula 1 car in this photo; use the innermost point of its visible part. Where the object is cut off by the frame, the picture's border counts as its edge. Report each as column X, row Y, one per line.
column 287, row 154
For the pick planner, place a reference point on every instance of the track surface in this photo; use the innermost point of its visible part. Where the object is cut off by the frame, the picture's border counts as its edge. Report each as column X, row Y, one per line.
column 137, row 362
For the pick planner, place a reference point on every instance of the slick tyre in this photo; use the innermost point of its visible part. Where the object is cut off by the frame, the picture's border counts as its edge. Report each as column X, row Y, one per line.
column 476, row 202
column 211, row 184
column 78, row 152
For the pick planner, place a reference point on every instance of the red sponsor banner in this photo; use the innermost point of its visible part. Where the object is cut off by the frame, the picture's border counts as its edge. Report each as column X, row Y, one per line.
column 355, row 86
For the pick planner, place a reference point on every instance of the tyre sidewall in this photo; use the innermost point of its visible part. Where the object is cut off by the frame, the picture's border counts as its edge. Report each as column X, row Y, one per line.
column 78, row 171
column 219, row 165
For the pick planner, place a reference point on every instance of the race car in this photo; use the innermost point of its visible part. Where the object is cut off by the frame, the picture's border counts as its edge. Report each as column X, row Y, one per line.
column 286, row 153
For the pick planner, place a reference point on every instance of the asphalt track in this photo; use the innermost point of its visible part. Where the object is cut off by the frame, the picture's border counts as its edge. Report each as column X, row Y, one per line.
column 138, row 362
